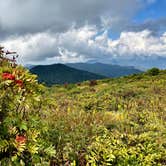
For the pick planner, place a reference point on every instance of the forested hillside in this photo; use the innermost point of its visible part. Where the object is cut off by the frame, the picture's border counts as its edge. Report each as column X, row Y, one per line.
column 61, row 74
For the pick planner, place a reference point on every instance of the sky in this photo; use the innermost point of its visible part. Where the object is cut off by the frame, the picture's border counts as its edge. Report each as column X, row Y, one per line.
column 125, row 32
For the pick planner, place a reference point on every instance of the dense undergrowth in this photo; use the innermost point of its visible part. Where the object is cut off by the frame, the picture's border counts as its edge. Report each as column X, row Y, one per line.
column 106, row 122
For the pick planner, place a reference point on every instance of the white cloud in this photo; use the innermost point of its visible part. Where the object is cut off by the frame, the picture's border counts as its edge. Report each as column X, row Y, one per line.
column 139, row 43
column 32, row 47
column 85, row 44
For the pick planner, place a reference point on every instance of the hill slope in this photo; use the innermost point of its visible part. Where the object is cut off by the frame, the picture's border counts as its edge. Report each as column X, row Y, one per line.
column 60, row 74
column 105, row 69
column 132, row 111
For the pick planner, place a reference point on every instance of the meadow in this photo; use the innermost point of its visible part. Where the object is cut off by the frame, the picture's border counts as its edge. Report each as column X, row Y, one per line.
column 119, row 122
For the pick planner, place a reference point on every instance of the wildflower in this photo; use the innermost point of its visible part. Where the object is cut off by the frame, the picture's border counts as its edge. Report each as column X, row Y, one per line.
column 21, row 139
column 19, row 83
column 8, row 76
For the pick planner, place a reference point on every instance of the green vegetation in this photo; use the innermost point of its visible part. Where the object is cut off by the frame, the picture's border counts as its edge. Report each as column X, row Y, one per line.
column 106, row 122
column 116, row 122
column 154, row 71
column 22, row 128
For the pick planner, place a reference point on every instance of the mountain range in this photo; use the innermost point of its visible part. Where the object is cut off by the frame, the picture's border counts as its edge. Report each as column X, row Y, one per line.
column 78, row 72
column 140, row 62
column 107, row 70
column 61, row 74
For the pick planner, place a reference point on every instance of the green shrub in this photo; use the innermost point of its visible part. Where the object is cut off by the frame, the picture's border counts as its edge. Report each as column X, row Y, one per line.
column 21, row 141
column 153, row 72
column 125, row 149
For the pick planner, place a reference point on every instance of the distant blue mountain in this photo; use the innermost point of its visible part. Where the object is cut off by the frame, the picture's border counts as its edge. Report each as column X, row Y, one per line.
column 105, row 69
column 142, row 62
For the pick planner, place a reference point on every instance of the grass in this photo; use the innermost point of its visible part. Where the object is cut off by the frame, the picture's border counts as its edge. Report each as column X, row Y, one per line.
column 126, row 114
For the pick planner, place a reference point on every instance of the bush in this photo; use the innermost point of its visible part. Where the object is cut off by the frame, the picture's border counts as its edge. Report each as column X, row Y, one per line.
column 21, row 128
column 124, row 150
column 153, row 72
column 92, row 83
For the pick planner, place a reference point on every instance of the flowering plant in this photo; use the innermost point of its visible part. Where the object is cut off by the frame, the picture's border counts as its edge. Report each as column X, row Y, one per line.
column 21, row 127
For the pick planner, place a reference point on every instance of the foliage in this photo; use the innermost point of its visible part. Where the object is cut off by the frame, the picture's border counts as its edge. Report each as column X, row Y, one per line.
column 154, row 71
column 118, row 121
column 92, row 83
column 21, row 128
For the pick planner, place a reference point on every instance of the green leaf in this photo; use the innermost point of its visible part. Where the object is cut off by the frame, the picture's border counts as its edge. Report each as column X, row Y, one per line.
column 23, row 126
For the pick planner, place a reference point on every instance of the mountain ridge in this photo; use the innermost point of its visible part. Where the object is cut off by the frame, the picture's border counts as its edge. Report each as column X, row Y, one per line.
column 60, row 74
column 107, row 70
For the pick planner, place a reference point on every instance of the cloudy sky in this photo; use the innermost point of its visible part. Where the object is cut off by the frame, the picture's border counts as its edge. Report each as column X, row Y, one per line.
column 126, row 32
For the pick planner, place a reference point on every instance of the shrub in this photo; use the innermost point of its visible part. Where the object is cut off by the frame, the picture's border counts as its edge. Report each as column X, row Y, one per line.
column 125, row 149
column 78, row 84
column 92, row 83
column 21, row 139
column 153, row 72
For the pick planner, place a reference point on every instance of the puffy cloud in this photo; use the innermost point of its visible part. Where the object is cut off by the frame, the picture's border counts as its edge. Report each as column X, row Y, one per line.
column 139, row 43
column 87, row 43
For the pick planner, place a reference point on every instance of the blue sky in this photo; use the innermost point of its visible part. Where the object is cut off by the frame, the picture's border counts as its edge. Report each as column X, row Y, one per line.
column 155, row 10
column 150, row 12
column 59, row 31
